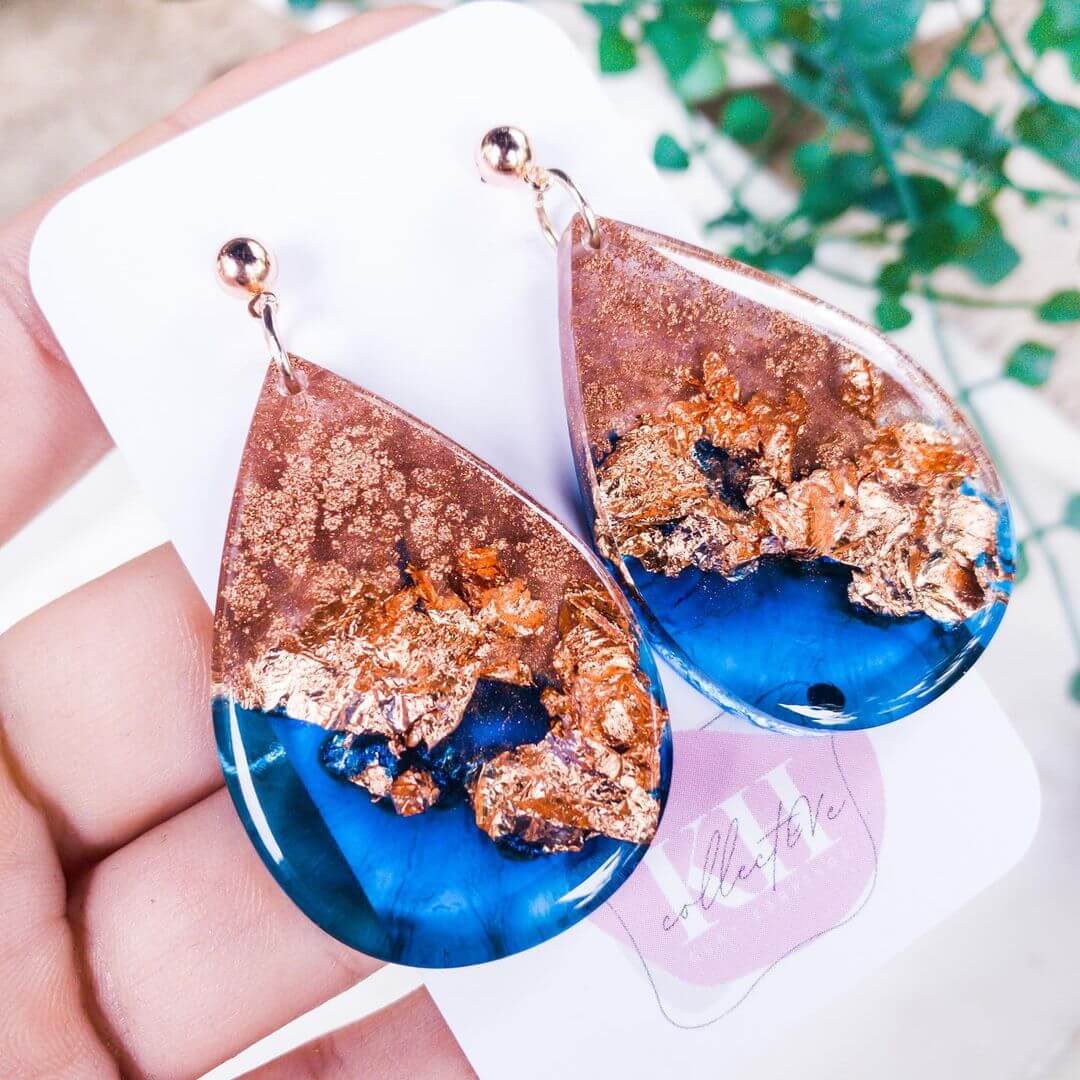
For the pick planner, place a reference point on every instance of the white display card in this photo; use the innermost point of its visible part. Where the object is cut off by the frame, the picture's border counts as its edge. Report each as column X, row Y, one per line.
column 402, row 272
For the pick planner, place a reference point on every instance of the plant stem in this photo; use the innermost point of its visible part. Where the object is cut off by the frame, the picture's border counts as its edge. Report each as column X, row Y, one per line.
column 942, row 296
column 1007, row 51
column 965, row 171
column 804, row 92
column 980, row 384
column 963, row 300
column 1042, row 530
column 961, row 47
column 1015, row 496
column 864, row 236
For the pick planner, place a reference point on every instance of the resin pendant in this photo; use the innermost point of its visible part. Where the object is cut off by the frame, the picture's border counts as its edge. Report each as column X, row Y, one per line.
column 432, row 707
column 809, row 529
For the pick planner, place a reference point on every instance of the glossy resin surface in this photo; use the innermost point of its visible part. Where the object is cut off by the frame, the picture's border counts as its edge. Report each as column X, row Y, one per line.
column 809, row 529
column 432, row 708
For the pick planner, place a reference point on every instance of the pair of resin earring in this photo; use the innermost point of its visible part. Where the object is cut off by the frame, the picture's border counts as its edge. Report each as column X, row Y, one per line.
column 437, row 716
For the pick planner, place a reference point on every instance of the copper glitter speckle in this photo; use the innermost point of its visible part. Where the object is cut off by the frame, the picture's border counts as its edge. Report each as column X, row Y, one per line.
column 374, row 573
column 770, row 439
column 404, row 667
column 338, row 493
column 711, row 484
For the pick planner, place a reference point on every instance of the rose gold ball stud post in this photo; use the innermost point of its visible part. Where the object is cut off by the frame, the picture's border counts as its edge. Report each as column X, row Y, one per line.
column 504, row 156
column 245, row 266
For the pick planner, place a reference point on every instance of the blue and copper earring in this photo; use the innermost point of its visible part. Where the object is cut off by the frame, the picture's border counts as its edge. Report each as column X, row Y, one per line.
column 809, row 529
column 435, row 714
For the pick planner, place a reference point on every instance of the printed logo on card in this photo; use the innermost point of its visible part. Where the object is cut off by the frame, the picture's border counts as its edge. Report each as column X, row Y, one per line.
column 767, row 844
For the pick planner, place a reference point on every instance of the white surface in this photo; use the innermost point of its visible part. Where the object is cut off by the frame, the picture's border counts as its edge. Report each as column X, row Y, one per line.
column 452, row 280
column 427, row 286
column 953, row 755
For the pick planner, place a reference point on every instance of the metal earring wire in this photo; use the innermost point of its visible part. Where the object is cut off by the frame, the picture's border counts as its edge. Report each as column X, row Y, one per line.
column 245, row 266
column 505, row 156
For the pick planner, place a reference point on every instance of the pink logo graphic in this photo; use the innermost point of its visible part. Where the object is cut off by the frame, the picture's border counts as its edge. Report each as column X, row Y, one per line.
column 767, row 843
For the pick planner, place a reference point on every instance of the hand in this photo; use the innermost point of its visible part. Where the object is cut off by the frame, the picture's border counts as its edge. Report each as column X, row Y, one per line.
column 141, row 935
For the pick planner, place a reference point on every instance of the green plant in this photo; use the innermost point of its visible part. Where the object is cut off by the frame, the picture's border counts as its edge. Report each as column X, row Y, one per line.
column 899, row 162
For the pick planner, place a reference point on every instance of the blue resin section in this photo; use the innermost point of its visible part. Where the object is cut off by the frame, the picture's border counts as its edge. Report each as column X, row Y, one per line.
column 785, row 640
column 430, row 890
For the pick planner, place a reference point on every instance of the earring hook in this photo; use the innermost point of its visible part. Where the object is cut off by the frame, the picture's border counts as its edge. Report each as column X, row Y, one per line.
column 505, row 155
column 246, row 266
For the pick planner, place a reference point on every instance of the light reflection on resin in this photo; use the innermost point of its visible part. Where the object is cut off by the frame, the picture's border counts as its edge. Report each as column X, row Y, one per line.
column 433, row 711
column 429, row 890
column 809, row 529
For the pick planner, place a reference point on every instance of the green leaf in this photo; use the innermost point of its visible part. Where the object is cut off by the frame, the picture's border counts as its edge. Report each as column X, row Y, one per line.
column 888, row 81
column 973, row 65
column 757, row 21
column 930, row 245
column 948, row 123
column 693, row 61
column 810, row 159
column 1058, row 27
column 746, row 118
column 929, row 193
column 891, row 314
column 1030, row 363
column 606, row 16
column 894, row 278
column 676, row 42
column 617, row 53
column 697, row 13
column 1074, row 686
column 799, row 20
column 735, row 215
column 1057, row 23
column 1061, row 307
column 1052, row 129
column 877, row 30
column 668, row 154
column 1072, row 512
column 845, row 180
column 968, row 235
column 786, row 258
column 993, row 259
column 706, row 77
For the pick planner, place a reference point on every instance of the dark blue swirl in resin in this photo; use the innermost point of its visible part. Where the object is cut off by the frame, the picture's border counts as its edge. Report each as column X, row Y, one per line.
column 785, row 640
column 430, row 890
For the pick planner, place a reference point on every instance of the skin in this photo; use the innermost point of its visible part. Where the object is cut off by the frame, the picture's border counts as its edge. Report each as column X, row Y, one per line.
column 140, row 933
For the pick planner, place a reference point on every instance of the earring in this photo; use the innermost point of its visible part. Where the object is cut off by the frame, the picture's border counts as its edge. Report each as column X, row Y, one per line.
column 433, row 709
column 809, row 529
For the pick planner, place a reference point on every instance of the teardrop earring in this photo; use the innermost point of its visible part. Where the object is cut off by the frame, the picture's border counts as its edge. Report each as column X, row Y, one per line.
column 809, row 528
column 433, row 710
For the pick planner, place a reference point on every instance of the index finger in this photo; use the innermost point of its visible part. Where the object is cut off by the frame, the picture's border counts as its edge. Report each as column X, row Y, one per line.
column 49, row 431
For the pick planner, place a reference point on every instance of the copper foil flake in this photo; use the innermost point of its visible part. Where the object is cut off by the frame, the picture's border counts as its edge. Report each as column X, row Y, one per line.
column 376, row 576
column 711, row 483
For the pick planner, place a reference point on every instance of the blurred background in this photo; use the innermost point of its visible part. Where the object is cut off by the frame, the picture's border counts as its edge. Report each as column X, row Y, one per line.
column 915, row 162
